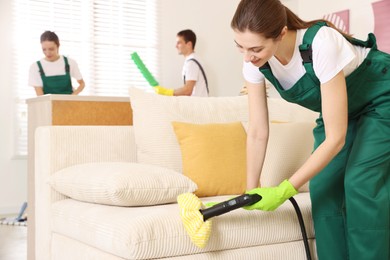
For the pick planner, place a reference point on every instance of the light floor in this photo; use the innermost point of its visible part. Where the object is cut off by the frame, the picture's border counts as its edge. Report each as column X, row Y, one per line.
column 13, row 242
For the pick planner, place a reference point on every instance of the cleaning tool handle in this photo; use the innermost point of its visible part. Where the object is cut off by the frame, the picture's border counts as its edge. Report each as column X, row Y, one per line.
column 229, row 205
column 142, row 68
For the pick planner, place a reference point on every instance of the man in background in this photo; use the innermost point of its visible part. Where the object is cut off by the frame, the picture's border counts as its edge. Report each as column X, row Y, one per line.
column 194, row 77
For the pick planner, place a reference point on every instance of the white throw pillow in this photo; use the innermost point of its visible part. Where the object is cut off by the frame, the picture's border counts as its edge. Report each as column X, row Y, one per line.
column 153, row 116
column 121, row 184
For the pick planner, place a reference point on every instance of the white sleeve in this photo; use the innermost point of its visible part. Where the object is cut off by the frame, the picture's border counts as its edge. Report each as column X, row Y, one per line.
column 34, row 78
column 74, row 69
column 251, row 73
column 331, row 53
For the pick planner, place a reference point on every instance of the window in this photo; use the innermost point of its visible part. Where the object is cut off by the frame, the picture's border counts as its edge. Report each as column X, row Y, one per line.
column 99, row 34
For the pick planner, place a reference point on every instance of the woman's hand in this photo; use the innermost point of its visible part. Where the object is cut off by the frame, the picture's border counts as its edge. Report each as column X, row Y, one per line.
column 80, row 87
column 39, row 91
column 272, row 198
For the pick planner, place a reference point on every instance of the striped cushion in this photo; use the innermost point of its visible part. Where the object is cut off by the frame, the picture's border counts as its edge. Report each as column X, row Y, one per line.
column 157, row 231
column 121, row 184
column 64, row 248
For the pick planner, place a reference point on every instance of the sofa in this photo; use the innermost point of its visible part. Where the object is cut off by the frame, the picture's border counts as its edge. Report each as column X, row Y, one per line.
column 109, row 192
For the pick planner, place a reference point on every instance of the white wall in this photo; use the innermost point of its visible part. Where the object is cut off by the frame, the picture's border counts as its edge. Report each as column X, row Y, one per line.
column 210, row 20
column 361, row 13
column 13, row 171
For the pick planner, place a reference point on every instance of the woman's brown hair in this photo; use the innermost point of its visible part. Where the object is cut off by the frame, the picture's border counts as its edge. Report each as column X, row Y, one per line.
column 51, row 37
column 268, row 17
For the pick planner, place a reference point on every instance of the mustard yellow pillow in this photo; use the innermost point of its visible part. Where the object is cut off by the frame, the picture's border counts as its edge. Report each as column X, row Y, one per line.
column 214, row 156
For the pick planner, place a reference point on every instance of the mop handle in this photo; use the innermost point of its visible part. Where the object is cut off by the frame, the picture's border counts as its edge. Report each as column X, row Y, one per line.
column 142, row 68
column 229, row 205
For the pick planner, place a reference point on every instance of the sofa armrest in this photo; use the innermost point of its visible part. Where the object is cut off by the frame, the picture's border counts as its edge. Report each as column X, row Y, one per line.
column 58, row 147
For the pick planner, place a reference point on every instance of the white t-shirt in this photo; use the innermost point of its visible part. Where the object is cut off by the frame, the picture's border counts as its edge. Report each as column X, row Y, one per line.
column 331, row 54
column 191, row 71
column 52, row 68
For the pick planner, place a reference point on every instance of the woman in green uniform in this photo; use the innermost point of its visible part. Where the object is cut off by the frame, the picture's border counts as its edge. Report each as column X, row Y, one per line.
column 52, row 74
column 348, row 82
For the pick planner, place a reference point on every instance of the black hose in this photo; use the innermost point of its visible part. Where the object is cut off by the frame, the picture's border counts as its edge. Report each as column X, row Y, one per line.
column 303, row 229
column 246, row 199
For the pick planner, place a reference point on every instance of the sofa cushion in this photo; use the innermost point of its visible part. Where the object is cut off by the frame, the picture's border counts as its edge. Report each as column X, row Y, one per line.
column 157, row 231
column 121, row 184
column 214, row 156
column 65, row 248
column 153, row 114
column 280, row 110
column 289, row 146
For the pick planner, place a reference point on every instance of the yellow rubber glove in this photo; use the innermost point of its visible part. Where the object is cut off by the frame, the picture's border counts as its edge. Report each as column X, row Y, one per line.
column 272, row 197
column 163, row 91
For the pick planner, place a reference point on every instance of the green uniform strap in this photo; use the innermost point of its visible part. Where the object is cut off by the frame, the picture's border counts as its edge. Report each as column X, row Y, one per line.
column 40, row 69
column 306, row 47
column 42, row 72
column 203, row 73
column 369, row 43
column 67, row 68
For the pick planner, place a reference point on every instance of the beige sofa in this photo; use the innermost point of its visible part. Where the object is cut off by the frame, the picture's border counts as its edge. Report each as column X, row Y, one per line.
column 108, row 192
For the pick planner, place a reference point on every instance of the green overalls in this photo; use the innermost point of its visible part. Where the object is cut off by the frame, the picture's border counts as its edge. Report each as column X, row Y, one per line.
column 59, row 84
column 351, row 196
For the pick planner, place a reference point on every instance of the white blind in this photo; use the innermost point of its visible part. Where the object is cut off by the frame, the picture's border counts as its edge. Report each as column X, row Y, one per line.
column 99, row 34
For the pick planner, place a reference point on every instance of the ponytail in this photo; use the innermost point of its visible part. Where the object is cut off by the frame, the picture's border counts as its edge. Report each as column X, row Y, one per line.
column 269, row 17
